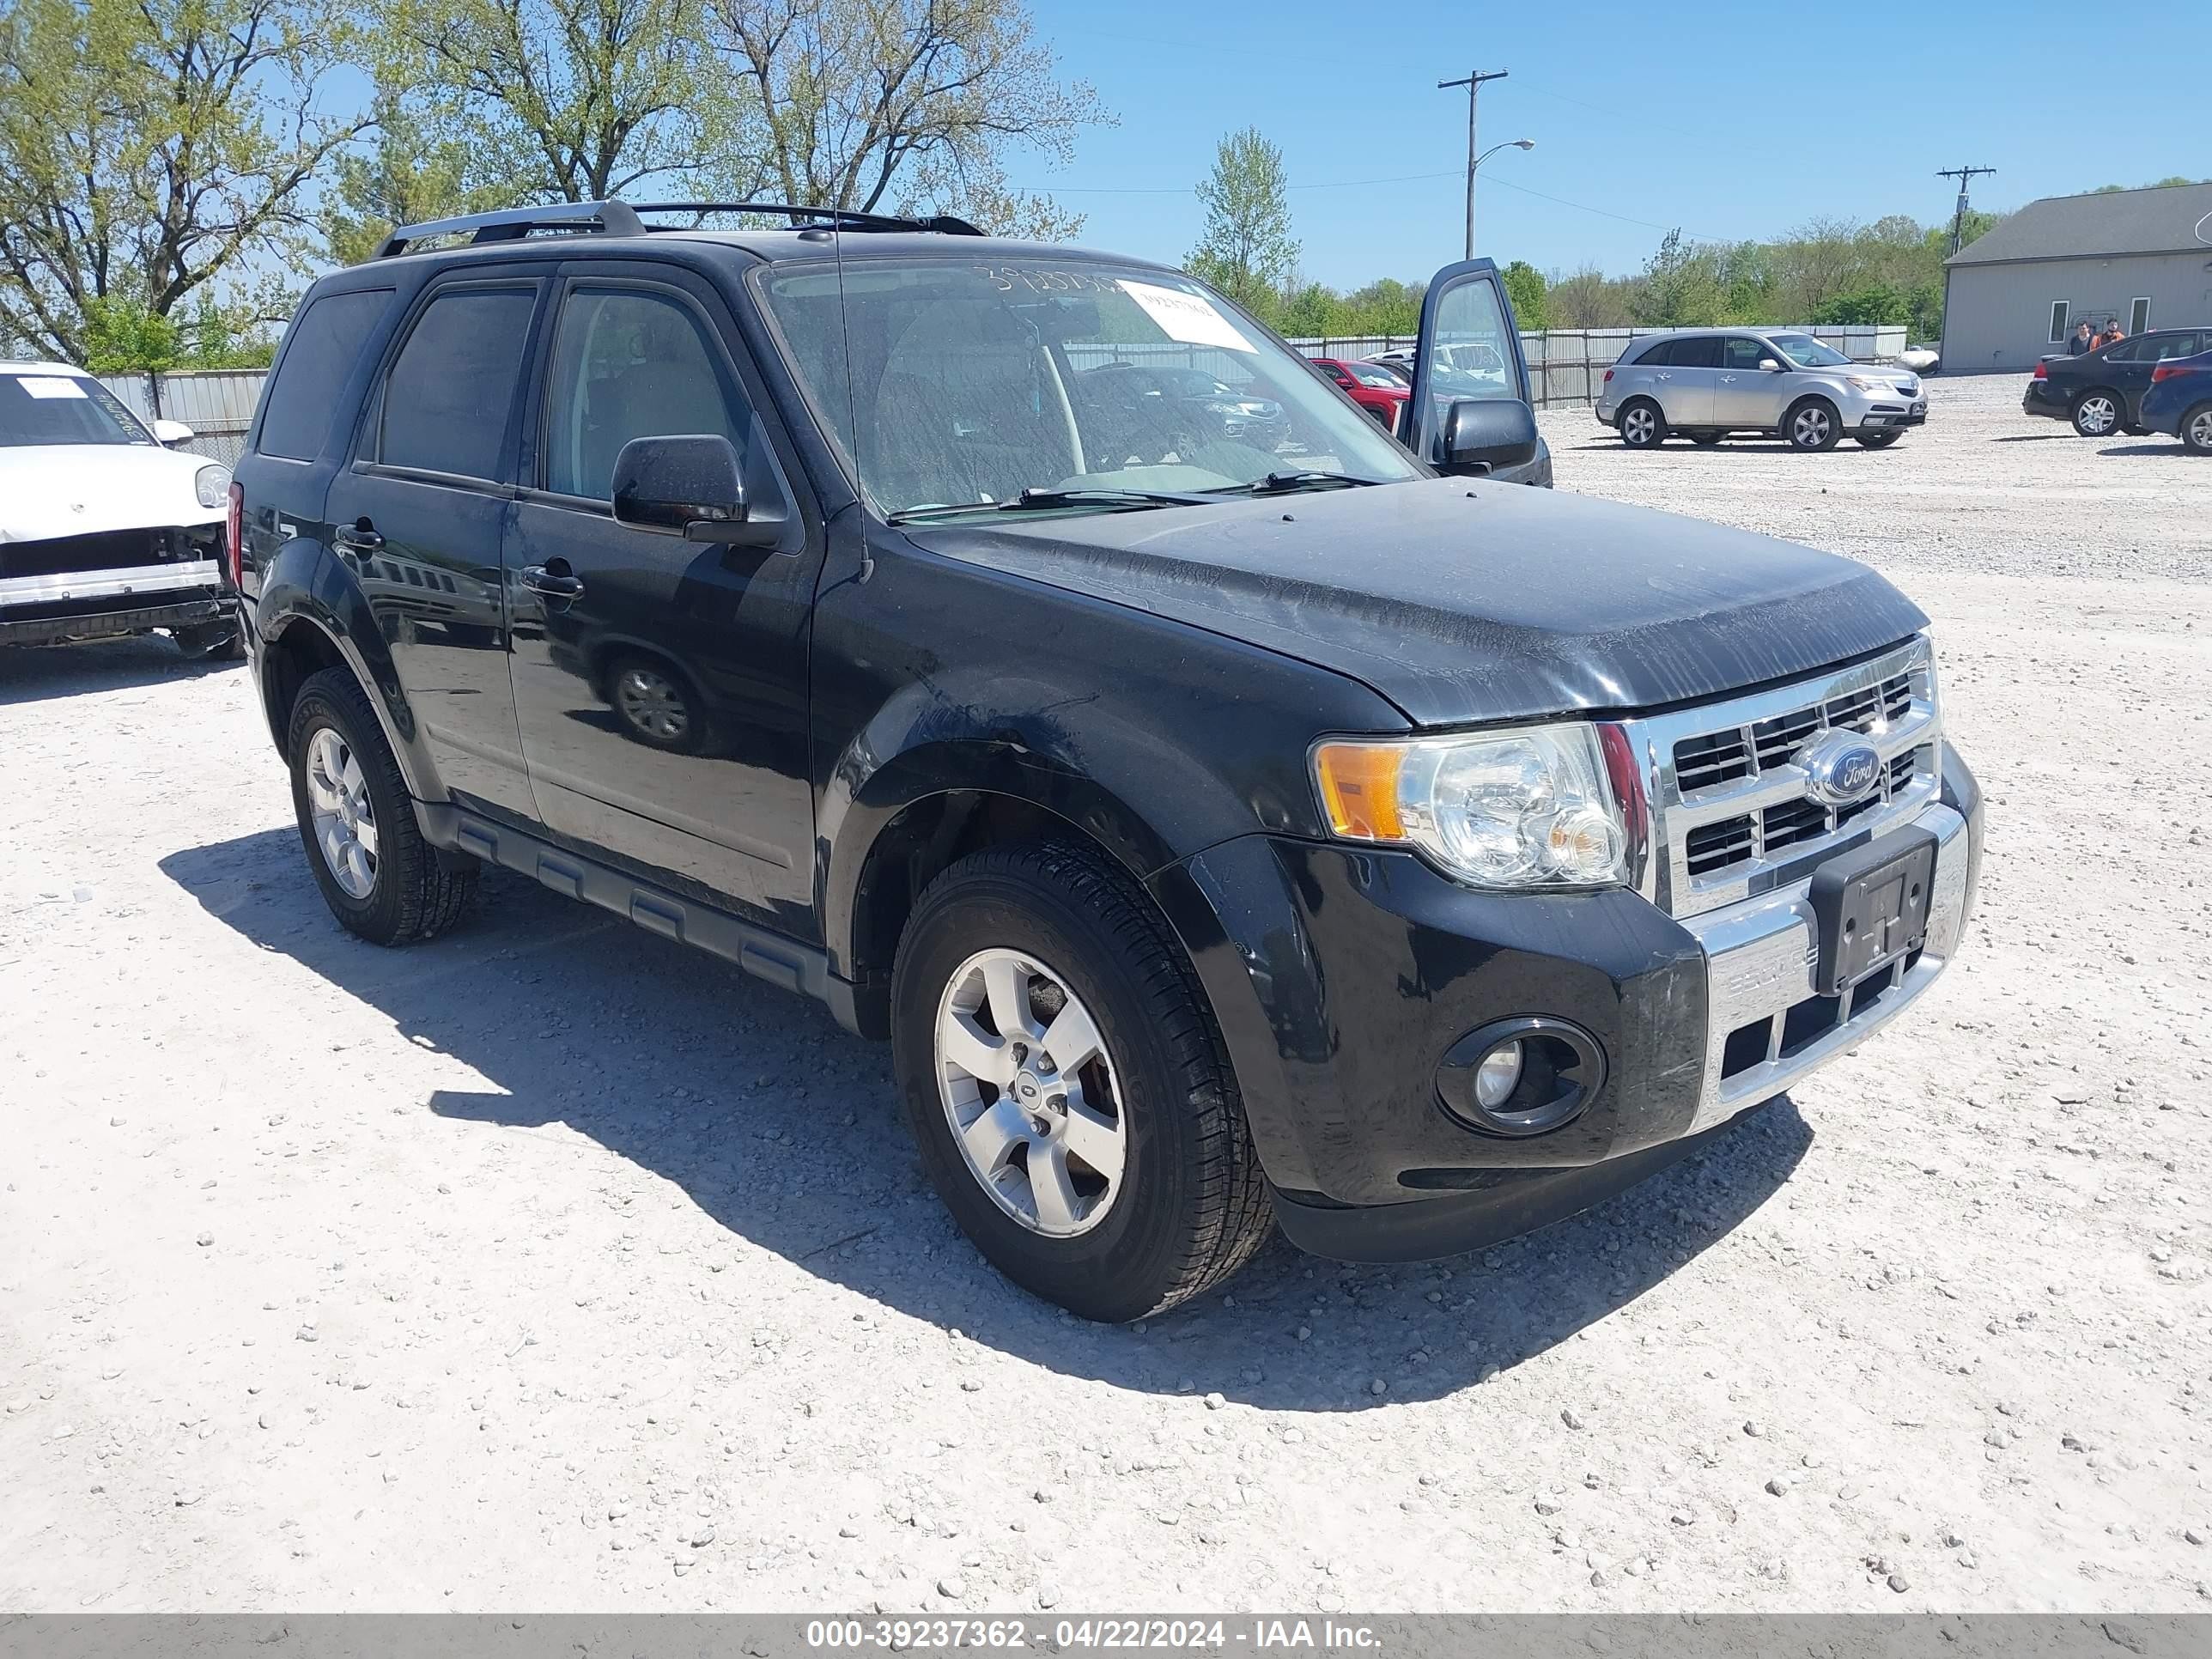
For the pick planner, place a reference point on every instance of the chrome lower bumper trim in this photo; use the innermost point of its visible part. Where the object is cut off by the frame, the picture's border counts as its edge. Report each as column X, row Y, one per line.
column 118, row 582
column 1759, row 960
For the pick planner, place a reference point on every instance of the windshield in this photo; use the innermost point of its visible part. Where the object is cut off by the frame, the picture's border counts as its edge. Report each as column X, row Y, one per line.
column 64, row 409
column 1376, row 375
column 1807, row 352
column 971, row 384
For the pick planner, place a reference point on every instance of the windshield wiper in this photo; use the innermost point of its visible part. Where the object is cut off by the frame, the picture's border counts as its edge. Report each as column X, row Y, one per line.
column 1034, row 501
column 1284, row 484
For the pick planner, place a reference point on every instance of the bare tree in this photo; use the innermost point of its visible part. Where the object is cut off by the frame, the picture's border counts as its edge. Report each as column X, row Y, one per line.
column 870, row 104
column 152, row 150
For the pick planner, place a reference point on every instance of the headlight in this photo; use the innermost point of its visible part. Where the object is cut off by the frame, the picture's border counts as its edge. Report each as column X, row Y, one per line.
column 1863, row 384
column 1530, row 807
column 212, row 485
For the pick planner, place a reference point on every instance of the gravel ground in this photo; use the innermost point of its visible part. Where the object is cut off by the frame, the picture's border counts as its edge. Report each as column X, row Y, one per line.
column 550, row 1266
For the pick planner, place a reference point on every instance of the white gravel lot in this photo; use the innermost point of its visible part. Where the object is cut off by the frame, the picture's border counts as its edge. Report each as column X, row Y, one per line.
column 550, row 1266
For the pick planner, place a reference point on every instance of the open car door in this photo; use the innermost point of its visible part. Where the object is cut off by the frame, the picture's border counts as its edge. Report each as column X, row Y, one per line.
column 1471, row 412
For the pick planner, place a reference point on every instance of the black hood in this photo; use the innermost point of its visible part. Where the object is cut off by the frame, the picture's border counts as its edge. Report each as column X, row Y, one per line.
column 1464, row 601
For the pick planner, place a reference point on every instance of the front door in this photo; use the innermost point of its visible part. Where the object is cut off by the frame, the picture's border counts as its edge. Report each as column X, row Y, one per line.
column 419, row 513
column 1469, row 348
column 1745, row 395
column 660, row 683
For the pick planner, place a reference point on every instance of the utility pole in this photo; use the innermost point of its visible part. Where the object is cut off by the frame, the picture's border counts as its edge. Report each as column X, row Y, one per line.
column 1963, row 175
column 1473, row 85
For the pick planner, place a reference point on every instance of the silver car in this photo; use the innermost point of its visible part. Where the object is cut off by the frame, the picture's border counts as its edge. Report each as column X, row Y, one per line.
column 1704, row 383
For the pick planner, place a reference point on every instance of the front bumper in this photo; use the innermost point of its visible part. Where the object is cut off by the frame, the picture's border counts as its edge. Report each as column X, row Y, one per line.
column 91, row 605
column 1340, row 977
column 1891, row 417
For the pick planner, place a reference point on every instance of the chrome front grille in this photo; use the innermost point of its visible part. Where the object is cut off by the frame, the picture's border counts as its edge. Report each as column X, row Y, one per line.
column 1731, row 812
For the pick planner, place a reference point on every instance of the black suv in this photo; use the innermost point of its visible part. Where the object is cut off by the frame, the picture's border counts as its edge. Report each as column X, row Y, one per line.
column 1226, row 826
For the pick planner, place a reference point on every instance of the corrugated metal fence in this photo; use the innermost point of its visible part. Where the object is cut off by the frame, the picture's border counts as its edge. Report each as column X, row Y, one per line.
column 1565, row 366
column 217, row 404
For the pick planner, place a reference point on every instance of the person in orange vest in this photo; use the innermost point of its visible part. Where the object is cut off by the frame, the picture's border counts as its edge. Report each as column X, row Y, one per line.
column 2113, row 333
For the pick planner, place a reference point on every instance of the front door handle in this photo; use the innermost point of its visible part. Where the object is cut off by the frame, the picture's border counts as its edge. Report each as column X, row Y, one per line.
column 1728, row 379
column 551, row 584
column 359, row 537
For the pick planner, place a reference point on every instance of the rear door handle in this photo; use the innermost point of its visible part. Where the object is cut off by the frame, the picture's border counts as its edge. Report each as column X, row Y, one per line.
column 360, row 537
column 549, row 584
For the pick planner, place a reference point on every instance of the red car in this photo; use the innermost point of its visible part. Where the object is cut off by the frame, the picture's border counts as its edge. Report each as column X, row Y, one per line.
column 1371, row 385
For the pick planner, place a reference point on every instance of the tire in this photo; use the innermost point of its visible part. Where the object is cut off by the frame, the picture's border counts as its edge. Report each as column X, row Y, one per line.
column 1058, row 929
column 2196, row 429
column 2098, row 412
column 1642, row 424
column 403, row 889
column 1880, row 439
column 655, row 705
column 1812, row 426
column 1705, row 439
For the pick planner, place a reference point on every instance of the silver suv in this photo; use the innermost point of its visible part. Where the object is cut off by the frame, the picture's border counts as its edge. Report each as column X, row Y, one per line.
column 1704, row 383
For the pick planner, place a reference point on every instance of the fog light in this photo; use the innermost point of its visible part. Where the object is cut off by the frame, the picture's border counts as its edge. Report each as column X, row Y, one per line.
column 1497, row 1076
column 1527, row 1075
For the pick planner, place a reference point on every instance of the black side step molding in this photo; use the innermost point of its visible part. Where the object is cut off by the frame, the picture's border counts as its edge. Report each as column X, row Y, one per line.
column 766, row 956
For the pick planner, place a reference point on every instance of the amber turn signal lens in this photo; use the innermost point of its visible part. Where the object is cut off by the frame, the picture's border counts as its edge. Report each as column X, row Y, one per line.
column 1359, row 789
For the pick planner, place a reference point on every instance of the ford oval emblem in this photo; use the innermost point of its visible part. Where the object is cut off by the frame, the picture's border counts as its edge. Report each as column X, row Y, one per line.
column 1841, row 769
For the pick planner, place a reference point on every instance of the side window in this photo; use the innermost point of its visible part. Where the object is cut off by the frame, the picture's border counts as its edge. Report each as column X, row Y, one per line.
column 1742, row 352
column 630, row 364
column 320, row 351
column 2128, row 351
column 1702, row 353
column 1649, row 356
column 1471, row 356
column 446, row 399
column 2172, row 345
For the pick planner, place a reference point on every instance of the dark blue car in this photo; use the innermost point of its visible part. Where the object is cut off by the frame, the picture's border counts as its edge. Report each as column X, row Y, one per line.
column 2178, row 399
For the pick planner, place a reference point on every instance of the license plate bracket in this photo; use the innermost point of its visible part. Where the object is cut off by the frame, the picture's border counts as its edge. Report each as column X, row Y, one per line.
column 1871, row 907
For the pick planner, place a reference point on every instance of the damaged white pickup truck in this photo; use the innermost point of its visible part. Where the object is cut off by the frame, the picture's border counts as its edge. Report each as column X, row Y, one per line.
column 104, row 530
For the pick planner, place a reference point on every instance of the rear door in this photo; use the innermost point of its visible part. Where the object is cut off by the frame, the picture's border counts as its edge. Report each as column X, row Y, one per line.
column 661, row 683
column 420, row 511
column 1689, row 379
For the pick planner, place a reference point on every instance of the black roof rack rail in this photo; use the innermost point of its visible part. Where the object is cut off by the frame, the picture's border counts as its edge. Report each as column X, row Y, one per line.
column 511, row 224
column 844, row 218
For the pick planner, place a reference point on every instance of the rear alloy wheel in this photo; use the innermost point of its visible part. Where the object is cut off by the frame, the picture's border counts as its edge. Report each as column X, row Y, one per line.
column 2197, row 430
column 1812, row 426
column 2097, row 414
column 1643, row 426
column 1880, row 439
column 1066, row 1087
column 380, row 879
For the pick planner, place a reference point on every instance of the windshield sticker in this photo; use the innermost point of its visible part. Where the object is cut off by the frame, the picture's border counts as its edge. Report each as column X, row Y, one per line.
column 1046, row 279
column 50, row 385
column 1190, row 318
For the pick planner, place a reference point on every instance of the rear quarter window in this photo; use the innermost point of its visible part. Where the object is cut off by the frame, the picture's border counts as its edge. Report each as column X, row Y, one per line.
column 319, row 353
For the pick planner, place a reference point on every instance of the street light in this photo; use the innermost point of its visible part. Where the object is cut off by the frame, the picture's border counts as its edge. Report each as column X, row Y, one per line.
column 1515, row 143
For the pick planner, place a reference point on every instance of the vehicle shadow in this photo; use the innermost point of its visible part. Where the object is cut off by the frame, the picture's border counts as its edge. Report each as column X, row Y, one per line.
column 744, row 1096
column 2064, row 433
column 33, row 674
column 2169, row 448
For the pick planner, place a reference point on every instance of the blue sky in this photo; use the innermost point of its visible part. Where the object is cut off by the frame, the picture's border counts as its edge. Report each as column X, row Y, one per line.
column 1724, row 119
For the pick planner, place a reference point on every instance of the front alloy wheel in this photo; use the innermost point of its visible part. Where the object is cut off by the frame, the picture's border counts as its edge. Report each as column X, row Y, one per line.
column 2097, row 414
column 1030, row 1092
column 1813, row 427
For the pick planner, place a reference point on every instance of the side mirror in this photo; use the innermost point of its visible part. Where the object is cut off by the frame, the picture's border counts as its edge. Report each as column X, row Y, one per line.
column 169, row 434
column 1769, row 365
column 691, row 486
column 1484, row 433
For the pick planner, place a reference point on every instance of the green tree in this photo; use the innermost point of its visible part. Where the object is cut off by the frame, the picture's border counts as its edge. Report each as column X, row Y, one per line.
column 1311, row 311
column 153, row 152
column 1246, row 250
column 1865, row 307
column 409, row 174
column 562, row 99
column 1525, row 287
column 1680, row 287
column 1385, row 305
column 869, row 104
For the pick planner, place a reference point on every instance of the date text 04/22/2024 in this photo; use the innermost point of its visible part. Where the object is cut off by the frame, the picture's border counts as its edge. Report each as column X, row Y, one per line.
column 1181, row 1635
